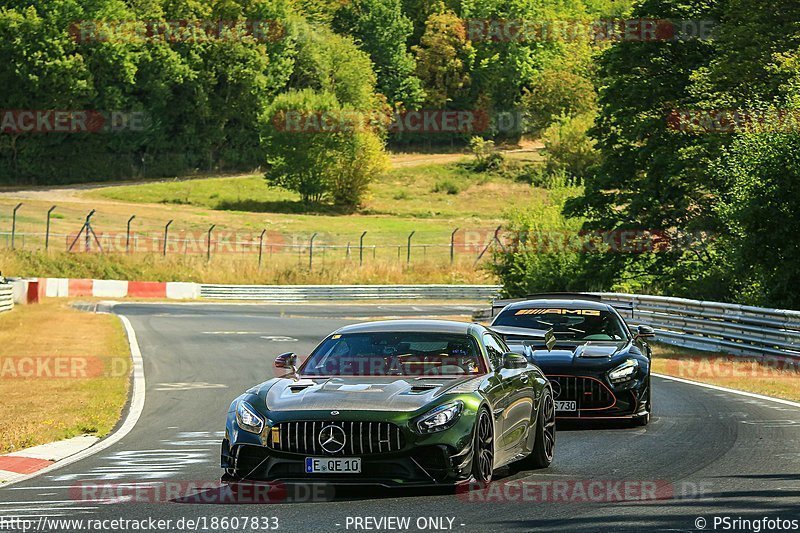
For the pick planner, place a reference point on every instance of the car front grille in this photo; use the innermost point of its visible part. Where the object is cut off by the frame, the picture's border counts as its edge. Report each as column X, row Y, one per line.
column 589, row 393
column 360, row 438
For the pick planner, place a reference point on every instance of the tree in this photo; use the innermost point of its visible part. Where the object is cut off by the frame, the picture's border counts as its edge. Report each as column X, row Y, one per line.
column 319, row 148
column 380, row 28
column 444, row 58
column 759, row 210
column 331, row 63
column 650, row 177
column 563, row 88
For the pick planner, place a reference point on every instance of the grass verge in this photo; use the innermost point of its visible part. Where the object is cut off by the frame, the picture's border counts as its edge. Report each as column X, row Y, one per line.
column 772, row 377
column 63, row 373
column 282, row 269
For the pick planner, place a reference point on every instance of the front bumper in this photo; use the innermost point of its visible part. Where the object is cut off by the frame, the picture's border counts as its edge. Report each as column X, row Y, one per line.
column 596, row 398
column 435, row 459
column 425, row 466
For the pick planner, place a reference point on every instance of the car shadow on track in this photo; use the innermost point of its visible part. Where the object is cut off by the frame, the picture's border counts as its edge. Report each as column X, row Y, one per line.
column 586, row 425
column 260, row 493
column 278, row 493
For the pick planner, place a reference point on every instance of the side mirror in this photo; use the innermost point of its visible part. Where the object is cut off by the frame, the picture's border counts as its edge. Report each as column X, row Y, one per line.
column 513, row 360
column 645, row 332
column 286, row 360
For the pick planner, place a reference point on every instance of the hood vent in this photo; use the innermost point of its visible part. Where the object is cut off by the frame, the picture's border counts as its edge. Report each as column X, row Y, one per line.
column 419, row 389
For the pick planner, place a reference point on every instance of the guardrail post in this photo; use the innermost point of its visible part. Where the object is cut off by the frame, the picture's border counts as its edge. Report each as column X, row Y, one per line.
column 208, row 249
column 408, row 252
column 361, row 249
column 261, row 247
column 47, row 232
column 166, row 236
column 128, row 235
column 311, row 252
column 14, row 225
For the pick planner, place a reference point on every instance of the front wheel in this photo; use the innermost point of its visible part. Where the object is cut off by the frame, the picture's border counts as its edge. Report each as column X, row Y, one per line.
column 545, row 447
column 483, row 448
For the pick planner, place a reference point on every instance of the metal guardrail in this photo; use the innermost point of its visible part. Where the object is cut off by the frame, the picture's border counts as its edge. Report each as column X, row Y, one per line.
column 714, row 326
column 305, row 293
column 6, row 297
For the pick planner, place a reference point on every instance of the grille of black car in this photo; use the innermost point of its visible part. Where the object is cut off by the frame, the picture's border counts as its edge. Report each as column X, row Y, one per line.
column 361, row 438
column 588, row 392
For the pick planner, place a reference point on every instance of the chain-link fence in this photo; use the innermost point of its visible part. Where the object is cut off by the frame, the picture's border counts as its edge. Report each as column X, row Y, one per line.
column 59, row 233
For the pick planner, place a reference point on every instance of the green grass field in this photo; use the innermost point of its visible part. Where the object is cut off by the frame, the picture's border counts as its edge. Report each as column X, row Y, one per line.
column 430, row 199
column 435, row 193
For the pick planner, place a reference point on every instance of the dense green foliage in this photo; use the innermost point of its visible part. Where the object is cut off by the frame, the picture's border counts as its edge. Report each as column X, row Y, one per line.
column 202, row 99
column 724, row 200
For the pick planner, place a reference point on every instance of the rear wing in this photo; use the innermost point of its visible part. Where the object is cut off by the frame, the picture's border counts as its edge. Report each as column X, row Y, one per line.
column 499, row 305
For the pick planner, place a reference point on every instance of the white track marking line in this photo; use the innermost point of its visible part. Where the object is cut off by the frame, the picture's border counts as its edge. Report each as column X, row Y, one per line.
column 731, row 391
column 38, row 502
column 29, row 509
column 98, row 483
column 135, row 411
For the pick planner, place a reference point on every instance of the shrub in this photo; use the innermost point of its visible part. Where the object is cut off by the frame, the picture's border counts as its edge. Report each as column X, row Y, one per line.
column 486, row 157
column 568, row 149
column 448, row 186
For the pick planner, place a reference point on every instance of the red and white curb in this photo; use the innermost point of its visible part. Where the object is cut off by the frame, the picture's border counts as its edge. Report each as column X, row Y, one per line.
column 20, row 465
column 40, row 459
column 33, row 290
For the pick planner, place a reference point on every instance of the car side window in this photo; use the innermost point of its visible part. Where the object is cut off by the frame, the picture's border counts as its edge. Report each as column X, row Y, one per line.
column 503, row 346
column 494, row 349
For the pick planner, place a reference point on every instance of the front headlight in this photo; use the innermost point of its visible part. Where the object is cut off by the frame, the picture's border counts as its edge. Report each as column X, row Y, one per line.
column 624, row 372
column 247, row 418
column 440, row 418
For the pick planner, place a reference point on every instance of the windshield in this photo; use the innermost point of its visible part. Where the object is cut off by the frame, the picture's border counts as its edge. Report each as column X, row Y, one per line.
column 395, row 354
column 567, row 324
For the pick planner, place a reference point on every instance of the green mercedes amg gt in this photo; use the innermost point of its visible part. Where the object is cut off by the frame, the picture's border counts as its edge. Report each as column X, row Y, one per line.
column 393, row 403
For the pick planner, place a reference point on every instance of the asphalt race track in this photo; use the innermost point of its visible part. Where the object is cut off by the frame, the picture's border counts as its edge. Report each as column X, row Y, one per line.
column 705, row 454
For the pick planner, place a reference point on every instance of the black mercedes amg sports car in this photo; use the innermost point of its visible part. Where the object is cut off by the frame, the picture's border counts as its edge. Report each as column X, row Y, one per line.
column 394, row 403
column 598, row 368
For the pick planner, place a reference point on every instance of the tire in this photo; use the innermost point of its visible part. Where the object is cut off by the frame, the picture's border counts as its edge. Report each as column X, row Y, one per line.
column 483, row 448
column 545, row 446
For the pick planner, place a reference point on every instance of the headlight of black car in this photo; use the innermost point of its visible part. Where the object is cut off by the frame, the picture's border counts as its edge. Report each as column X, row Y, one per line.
column 624, row 372
column 248, row 419
column 440, row 418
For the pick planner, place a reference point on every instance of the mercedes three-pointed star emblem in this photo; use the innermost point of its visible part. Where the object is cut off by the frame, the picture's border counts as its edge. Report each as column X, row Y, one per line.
column 556, row 388
column 332, row 439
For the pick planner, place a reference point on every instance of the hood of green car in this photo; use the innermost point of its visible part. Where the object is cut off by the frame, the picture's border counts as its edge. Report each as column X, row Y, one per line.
column 392, row 393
